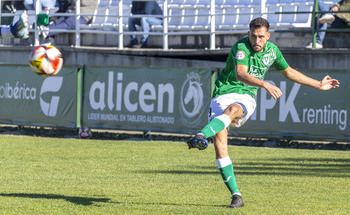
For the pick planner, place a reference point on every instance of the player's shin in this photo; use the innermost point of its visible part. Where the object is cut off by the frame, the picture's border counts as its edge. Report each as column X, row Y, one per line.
column 226, row 170
column 216, row 125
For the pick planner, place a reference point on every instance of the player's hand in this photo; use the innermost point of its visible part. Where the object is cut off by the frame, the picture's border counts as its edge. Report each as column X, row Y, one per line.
column 328, row 83
column 274, row 91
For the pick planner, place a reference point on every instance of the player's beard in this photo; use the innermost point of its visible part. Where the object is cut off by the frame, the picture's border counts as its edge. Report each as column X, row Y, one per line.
column 257, row 48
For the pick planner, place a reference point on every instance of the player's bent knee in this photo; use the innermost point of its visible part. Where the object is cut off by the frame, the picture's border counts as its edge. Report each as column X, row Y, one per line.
column 234, row 110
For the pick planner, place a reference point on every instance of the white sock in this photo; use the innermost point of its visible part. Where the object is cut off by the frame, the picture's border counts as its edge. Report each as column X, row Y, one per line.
column 225, row 119
column 223, row 162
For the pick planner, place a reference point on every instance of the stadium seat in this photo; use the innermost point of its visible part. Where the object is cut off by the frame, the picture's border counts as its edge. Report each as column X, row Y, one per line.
column 301, row 1
column 273, row 18
column 219, row 16
column 175, row 18
column 230, row 3
column 303, row 19
column 190, row 2
column 244, row 16
column 202, row 21
column 255, row 12
column 203, row 4
column 175, row 3
column 189, row 18
column 231, row 14
column 115, row 3
column 104, row 3
column 220, row 3
column 106, row 15
column 229, row 19
column 244, row 2
column 128, row 3
column 287, row 18
column 100, row 16
column 206, row 2
column 112, row 14
column 272, row 2
column 256, row 2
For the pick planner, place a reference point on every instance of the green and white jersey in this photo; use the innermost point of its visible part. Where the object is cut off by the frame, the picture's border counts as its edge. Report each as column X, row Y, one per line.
column 258, row 64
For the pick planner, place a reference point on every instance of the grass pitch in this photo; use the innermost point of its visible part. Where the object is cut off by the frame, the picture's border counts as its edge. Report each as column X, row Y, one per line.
column 72, row 176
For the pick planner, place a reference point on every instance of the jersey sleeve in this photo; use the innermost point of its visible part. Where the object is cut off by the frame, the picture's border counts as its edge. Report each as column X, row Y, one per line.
column 240, row 54
column 280, row 63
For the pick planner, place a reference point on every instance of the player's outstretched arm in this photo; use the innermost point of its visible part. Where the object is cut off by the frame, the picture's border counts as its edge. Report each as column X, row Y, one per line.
column 326, row 83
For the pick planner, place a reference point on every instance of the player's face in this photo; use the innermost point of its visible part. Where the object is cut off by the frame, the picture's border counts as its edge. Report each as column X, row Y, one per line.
column 258, row 38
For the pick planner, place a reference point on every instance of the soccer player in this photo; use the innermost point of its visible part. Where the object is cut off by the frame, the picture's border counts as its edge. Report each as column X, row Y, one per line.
column 233, row 96
column 17, row 30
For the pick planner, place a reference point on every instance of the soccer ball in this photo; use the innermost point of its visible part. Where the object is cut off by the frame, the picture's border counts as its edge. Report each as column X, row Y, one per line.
column 85, row 133
column 46, row 60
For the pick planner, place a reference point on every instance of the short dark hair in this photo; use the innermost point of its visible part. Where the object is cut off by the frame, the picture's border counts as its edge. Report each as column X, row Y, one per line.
column 258, row 23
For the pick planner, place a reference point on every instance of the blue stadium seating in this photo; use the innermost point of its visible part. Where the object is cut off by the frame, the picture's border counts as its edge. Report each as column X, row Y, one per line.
column 195, row 14
column 231, row 14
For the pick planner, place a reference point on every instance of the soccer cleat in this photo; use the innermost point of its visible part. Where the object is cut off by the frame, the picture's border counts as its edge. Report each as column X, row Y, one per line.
column 197, row 141
column 237, row 201
column 20, row 28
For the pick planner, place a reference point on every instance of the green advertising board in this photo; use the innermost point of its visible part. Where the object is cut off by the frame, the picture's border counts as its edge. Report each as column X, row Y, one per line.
column 28, row 99
column 146, row 98
column 301, row 111
column 165, row 99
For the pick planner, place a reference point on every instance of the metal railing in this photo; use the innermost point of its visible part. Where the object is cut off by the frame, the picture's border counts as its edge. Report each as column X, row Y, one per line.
column 212, row 31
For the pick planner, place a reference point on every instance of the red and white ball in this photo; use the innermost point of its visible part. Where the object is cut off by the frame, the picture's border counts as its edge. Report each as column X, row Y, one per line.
column 46, row 60
column 85, row 133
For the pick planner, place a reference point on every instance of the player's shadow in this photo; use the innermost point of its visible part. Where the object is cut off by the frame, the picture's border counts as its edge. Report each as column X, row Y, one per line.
column 73, row 199
column 300, row 166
